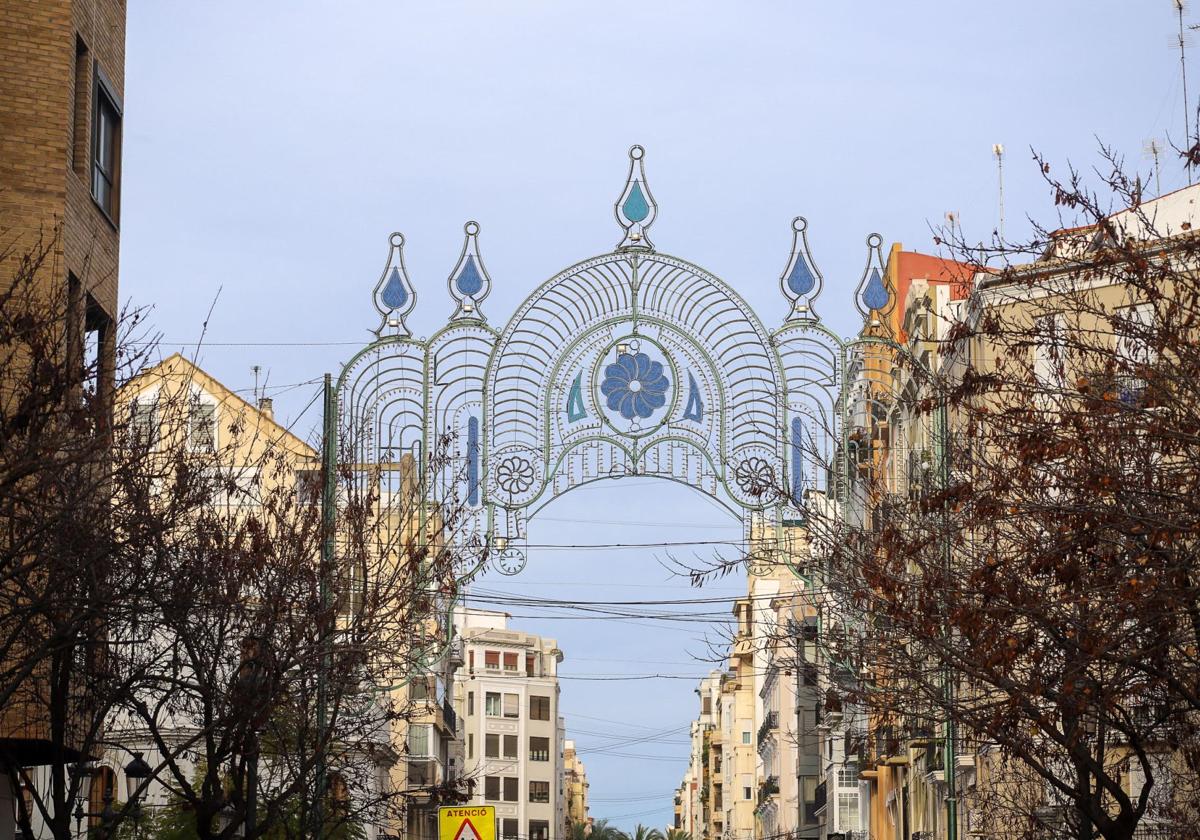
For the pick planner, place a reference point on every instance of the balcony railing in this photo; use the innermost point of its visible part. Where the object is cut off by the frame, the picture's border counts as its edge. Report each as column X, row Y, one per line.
column 450, row 715
column 770, row 723
column 768, row 788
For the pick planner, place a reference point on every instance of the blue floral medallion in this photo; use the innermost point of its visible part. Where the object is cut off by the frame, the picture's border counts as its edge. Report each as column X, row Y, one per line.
column 635, row 386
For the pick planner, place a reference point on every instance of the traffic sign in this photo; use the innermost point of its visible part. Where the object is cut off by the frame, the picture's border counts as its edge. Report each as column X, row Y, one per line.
column 467, row 822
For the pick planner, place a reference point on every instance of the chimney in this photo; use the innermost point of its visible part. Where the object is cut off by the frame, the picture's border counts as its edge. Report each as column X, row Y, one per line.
column 267, row 406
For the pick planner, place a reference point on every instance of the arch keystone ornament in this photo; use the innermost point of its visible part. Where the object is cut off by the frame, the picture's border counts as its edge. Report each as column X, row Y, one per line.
column 631, row 362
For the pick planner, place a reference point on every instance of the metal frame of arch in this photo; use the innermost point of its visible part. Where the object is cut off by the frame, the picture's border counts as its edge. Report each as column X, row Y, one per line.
column 629, row 363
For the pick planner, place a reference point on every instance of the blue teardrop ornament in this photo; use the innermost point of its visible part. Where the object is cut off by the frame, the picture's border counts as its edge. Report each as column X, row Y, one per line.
column 875, row 296
column 469, row 281
column 801, row 280
column 394, row 294
column 635, row 207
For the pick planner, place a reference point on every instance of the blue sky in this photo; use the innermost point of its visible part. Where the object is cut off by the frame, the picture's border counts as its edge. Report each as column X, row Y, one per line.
column 270, row 147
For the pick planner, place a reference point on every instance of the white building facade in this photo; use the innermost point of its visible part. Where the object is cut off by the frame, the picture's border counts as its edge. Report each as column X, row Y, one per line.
column 509, row 698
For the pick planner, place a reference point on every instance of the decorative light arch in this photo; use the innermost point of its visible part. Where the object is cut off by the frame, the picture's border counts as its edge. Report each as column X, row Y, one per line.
column 629, row 363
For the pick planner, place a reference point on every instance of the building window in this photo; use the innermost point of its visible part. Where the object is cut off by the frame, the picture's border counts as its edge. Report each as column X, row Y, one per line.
column 422, row 688
column 418, row 741
column 510, row 746
column 539, row 791
column 508, row 829
column 1049, row 358
column 470, row 703
column 491, row 704
column 309, row 487
column 746, row 737
column 79, row 118
column 848, row 811
column 808, row 793
column 539, row 830
column 539, row 707
column 471, row 745
column 471, row 660
column 95, row 353
column 1135, row 350
column 808, row 673
column 512, row 705
column 491, row 788
column 529, row 664
column 539, row 749
column 202, row 426
column 510, row 662
column 491, row 746
column 143, row 421
column 491, row 659
column 512, row 789
column 106, row 148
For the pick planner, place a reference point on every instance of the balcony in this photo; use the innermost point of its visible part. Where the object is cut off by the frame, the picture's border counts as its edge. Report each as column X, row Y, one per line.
column 424, row 772
column 770, row 724
column 768, row 788
column 441, row 715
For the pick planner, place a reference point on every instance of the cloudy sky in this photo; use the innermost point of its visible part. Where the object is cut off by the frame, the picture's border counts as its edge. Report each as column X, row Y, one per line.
column 270, row 147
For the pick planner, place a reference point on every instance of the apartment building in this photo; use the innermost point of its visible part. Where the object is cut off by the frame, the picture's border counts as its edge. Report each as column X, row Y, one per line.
column 701, row 793
column 574, row 787
column 889, row 782
column 431, row 766
column 756, row 766
column 508, row 696
column 62, row 68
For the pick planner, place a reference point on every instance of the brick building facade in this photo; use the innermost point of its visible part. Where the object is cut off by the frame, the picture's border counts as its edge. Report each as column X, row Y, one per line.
column 62, row 79
column 62, row 74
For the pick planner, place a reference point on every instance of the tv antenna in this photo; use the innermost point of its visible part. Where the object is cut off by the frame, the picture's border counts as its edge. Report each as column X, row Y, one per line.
column 257, row 369
column 1153, row 150
column 1187, row 120
column 998, row 151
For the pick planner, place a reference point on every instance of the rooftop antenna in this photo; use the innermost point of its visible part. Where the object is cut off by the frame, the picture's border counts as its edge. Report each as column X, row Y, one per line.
column 256, row 369
column 952, row 218
column 1187, row 120
column 1153, row 150
column 998, row 151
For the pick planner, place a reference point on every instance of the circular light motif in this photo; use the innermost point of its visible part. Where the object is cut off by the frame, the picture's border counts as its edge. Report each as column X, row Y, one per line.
column 515, row 474
column 755, row 476
column 635, row 386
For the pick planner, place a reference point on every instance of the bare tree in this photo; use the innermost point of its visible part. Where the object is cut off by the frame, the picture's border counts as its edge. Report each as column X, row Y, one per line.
column 174, row 601
column 1039, row 591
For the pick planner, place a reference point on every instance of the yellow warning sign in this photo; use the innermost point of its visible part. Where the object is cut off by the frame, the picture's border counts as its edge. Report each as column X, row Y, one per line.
column 467, row 822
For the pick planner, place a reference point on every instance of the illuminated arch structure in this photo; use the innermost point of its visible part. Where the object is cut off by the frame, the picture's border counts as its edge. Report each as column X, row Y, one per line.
column 628, row 363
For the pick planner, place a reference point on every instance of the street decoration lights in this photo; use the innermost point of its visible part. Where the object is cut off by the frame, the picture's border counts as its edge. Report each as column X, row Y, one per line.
column 629, row 363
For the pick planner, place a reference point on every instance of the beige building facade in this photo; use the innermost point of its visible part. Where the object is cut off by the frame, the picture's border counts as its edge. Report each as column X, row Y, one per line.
column 508, row 701
column 574, row 787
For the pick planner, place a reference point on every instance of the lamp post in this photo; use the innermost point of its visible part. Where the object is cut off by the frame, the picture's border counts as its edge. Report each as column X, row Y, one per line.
column 137, row 771
column 106, row 815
